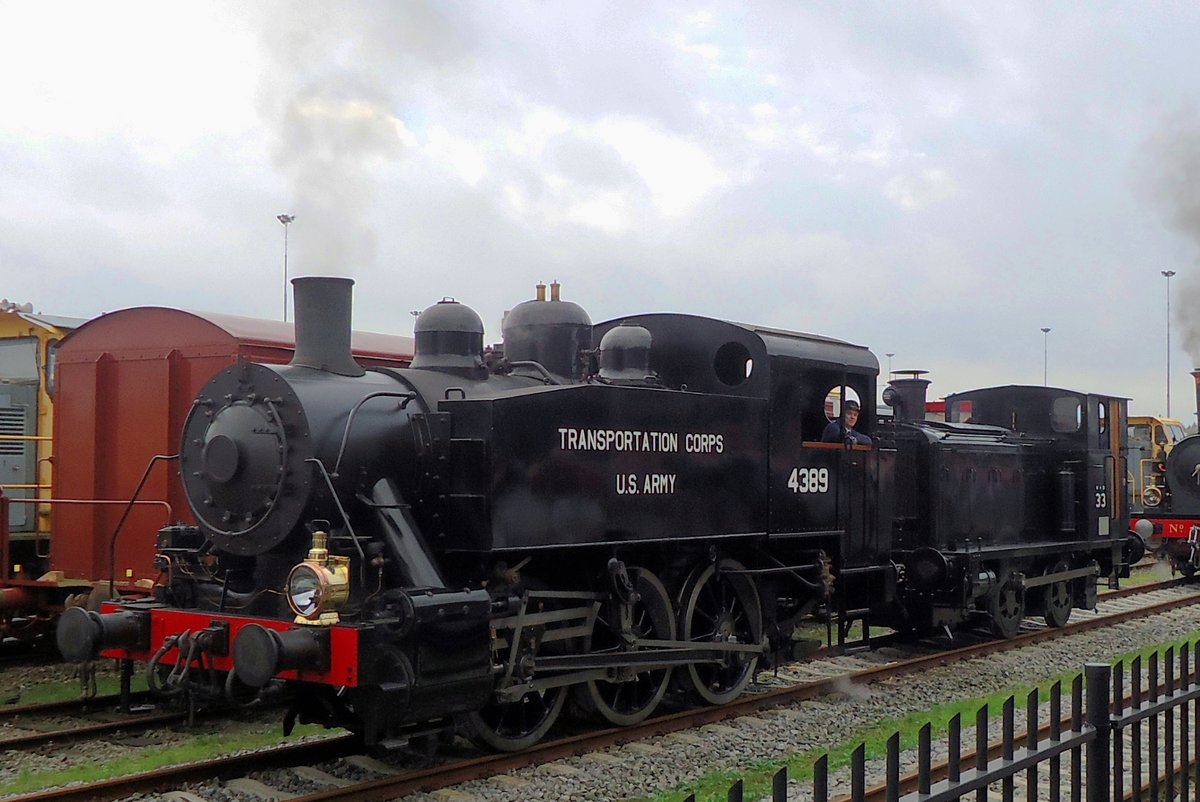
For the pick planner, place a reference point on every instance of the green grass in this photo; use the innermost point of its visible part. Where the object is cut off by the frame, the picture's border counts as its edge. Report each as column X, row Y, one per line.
column 197, row 748
column 67, row 690
column 713, row 787
column 1148, row 574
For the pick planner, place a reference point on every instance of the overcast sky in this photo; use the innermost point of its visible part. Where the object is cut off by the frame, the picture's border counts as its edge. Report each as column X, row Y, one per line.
column 938, row 181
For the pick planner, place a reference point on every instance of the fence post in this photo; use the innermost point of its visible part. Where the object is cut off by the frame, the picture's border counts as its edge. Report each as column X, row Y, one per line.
column 779, row 786
column 1099, row 783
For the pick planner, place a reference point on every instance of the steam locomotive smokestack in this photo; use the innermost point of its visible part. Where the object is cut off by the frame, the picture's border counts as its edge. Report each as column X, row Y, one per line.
column 911, row 391
column 323, row 305
column 1196, row 377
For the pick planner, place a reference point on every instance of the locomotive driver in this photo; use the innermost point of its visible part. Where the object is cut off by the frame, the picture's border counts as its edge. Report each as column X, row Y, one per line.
column 842, row 431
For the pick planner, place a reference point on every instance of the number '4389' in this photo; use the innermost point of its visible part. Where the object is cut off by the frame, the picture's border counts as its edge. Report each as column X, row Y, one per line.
column 809, row 480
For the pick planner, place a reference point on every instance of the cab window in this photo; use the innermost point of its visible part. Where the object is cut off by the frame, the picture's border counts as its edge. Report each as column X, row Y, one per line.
column 1066, row 415
column 959, row 412
column 1139, row 435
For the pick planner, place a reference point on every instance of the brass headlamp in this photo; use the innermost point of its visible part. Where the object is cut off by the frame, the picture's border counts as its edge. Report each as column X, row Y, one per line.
column 317, row 587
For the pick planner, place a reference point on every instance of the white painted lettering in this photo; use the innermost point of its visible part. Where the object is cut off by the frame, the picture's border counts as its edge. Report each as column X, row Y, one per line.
column 632, row 440
column 659, row 484
column 627, row 484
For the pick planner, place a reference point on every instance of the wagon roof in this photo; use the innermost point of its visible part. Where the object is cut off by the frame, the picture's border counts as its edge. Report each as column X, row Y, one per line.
column 212, row 328
column 53, row 321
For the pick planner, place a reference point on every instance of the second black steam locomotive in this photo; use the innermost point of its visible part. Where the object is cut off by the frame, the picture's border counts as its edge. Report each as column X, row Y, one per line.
column 608, row 512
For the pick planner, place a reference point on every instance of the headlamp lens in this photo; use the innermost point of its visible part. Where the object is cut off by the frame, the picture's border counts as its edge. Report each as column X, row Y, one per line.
column 304, row 591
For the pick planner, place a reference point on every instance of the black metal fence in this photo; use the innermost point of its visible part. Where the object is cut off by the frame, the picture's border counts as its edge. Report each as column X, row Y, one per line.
column 1134, row 739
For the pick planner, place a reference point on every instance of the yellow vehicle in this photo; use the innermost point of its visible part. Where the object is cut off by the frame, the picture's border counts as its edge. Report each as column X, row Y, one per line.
column 1151, row 438
column 27, row 346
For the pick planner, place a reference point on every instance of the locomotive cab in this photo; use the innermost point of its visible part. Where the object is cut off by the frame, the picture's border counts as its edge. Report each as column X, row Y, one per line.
column 827, row 504
column 1151, row 440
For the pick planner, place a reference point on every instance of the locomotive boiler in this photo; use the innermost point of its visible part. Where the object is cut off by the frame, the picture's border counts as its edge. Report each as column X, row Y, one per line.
column 609, row 512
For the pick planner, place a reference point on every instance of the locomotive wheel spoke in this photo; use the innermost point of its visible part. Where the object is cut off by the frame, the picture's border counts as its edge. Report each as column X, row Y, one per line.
column 1058, row 598
column 1006, row 607
column 513, row 726
column 625, row 703
column 713, row 596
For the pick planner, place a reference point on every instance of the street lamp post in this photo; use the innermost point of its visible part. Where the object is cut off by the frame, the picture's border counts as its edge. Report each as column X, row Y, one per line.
column 285, row 219
column 1168, row 274
column 1045, row 355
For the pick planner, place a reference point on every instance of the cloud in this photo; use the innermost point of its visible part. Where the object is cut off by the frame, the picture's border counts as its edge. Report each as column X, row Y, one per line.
column 612, row 174
column 916, row 192
column 853, row 170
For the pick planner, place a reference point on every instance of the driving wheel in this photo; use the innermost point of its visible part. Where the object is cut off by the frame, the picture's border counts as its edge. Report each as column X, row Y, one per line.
column 1059, row 599
column 513, row 726
column 634, row 697
column 1006, row 607
column 719, row 606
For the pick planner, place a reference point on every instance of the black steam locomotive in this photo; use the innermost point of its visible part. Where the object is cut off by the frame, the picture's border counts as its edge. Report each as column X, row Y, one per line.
column 606, row 512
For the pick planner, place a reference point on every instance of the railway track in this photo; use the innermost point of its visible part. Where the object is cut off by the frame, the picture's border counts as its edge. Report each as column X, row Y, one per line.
column 68, row 707
column 321, row 762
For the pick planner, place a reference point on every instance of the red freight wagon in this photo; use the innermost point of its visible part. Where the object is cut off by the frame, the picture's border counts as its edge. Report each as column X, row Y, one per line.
column 125, row 383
